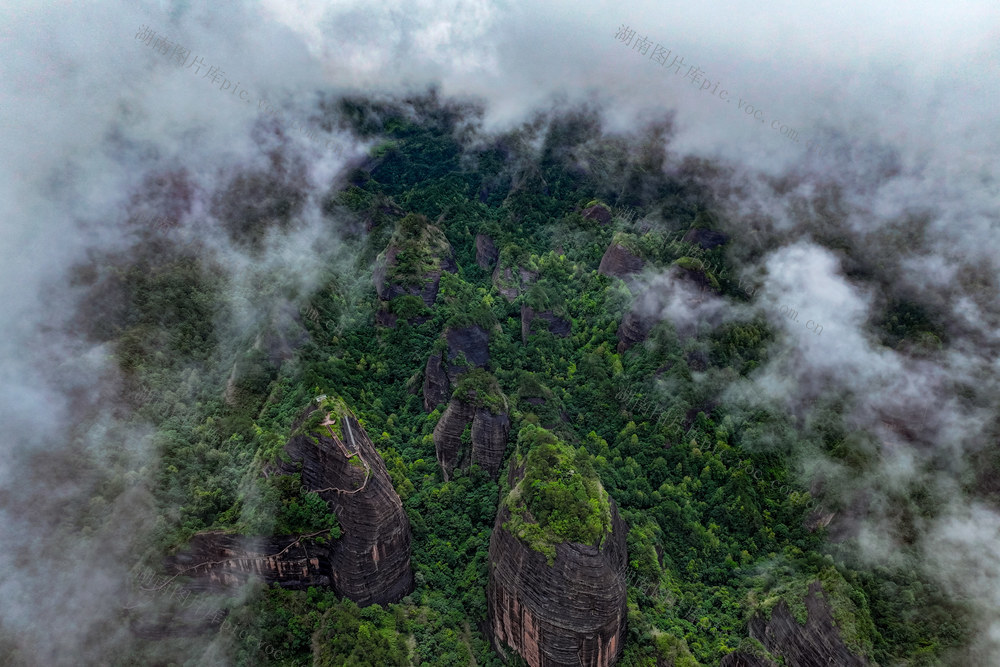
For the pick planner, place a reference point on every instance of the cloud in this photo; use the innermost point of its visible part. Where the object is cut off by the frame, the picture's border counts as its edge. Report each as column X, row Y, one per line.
column 899, row 201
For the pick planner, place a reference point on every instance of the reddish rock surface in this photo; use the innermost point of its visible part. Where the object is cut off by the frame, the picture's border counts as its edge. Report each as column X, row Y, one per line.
column 568, row 614
column 369, row 562
column 489, row 438
column 217, row 561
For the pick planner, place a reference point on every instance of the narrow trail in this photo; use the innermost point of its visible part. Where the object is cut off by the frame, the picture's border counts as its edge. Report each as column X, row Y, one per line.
column 347, row 454
column 297, row 541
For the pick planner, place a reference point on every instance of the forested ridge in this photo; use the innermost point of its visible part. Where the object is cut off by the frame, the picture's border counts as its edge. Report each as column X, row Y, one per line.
column 722, row 527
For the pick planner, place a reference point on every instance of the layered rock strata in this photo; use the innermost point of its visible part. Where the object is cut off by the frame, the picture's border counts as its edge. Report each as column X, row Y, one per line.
column 370, row 561
column 569, row 613
column 488, row 437
column 443, row 369
column 818, row 643
column 620, row 262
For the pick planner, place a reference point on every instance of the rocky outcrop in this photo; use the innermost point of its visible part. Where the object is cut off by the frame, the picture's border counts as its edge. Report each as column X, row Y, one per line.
column 427, row 288
column 598, row 212
column 437, row 386
column 818, row 643
column 443, row 370
column 486, row 252
column 635, row 327
column 217, row 561
column 620, row 262
column 557, row 325
column 706, row 238
column 510, row 286
column 384, row 318
column 427, row 253
column 489, row 433
column 567, row 613
column 370, row 561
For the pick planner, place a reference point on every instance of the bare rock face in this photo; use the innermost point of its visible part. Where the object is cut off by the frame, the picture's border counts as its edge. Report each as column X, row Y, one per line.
column 634, row 328
column 437, row 386
column 430, row 255
column 486, row 251
column 569, row 613
column 510, row 286
column 706, row 238
column 598, row 212
column 218, row 561
column 472, row 341
column 489, row 434
column 442, row 371
column 489, row 439
column 370, row 562
column 572, row 613
column 816, row 644
column 620, row 262
column 557, row 325
column 386, row 319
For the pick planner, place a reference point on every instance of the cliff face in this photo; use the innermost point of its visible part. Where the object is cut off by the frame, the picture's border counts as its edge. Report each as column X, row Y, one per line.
column 633, row 329
column 437, row 386
column 427, row 254
column 816, row 644
column 370, row 562
column 620, row 262
column 486, row 251
column 488, row 438
column 597, row 212
column 510, row 286
column 218, row 561
column 571, row 612
column 442, row 371
column 557, row 325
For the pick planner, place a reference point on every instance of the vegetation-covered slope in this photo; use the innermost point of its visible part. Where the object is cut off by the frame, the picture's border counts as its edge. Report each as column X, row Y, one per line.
column 716, row 522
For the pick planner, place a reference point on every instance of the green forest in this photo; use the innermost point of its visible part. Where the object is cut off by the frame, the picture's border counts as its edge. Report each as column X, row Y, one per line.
column 722, row 527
